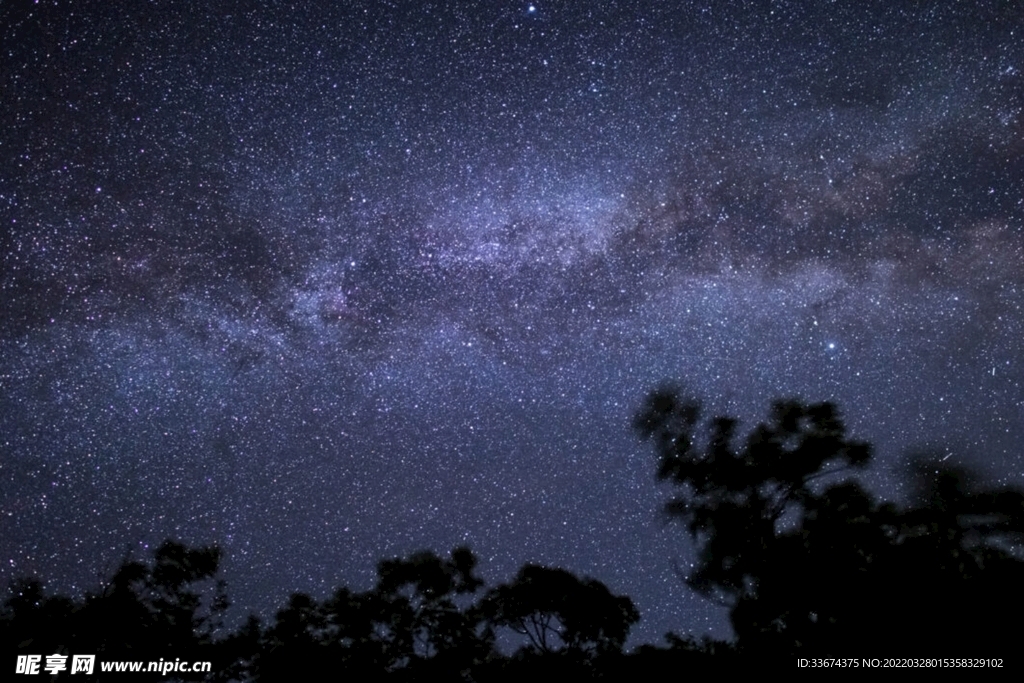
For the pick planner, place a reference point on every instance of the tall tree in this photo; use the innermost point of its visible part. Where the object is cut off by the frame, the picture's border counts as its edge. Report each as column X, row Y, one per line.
column 816, row 565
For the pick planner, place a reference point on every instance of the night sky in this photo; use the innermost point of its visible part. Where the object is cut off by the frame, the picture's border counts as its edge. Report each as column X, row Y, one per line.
column 330, row 282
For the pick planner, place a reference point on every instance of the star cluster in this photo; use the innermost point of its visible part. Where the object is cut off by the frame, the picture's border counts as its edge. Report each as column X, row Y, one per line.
column 338, row 281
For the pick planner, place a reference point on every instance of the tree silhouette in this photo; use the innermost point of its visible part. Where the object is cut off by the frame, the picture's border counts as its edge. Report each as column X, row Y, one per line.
column 557, row 611
column 410, row 625
column 172, row 608
column 427, row 632
column 807, row 560
column 425, row 619
column 821, row 569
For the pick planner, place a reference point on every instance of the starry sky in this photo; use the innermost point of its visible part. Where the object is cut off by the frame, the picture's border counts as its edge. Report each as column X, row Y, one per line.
column 327, row 282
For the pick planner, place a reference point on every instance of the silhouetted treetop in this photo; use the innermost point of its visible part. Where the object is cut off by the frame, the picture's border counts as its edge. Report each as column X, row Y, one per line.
column 812, row 568
column 429, row 575
column 732, row 495
column 807, row 559
column 174, row 605
column 555, row 610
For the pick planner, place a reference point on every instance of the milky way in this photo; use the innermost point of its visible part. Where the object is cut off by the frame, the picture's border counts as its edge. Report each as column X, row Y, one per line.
column 336, row 282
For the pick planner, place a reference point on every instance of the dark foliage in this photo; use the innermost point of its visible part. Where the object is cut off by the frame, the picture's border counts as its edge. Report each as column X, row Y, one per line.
column 558, row 612
column 410, row 625
column 426, row 619
column 808, row 563
column 811, row 564
column 145, row 612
